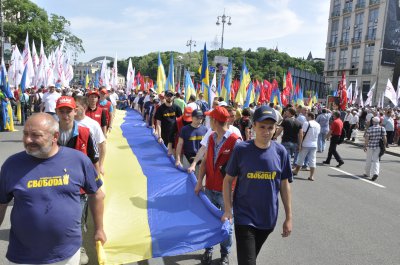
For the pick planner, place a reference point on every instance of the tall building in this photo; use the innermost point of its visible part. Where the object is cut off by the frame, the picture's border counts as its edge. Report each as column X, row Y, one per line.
column 363, row 41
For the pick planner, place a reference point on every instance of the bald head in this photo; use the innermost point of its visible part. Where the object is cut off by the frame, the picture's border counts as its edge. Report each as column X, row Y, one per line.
column 44, row 121
column 40, row 135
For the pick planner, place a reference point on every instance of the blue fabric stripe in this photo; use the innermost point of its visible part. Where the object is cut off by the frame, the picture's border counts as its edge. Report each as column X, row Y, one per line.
column 179, row 220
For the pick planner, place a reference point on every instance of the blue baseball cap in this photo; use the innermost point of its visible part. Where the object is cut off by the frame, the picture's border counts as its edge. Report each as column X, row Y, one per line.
column 264, row 113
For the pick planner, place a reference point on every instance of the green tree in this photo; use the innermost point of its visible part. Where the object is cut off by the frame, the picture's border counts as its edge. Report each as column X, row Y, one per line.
column 22, row 16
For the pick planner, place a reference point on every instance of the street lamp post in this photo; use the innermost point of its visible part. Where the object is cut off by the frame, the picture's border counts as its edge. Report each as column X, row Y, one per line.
column 189, row 44
column 223, row 20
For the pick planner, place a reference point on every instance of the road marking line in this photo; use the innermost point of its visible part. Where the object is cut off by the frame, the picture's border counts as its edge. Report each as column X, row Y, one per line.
column 360, row 178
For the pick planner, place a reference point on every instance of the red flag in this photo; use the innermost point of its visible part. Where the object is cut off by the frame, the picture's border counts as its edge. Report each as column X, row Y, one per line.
column 289, row 81
column 342, row 93
column 267, row 86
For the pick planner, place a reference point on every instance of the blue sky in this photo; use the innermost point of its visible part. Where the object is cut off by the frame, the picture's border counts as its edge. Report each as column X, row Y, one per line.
column 134, row 28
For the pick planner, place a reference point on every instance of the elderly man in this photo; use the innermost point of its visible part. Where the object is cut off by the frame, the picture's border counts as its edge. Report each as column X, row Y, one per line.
column 372, row 137
column 44, row 182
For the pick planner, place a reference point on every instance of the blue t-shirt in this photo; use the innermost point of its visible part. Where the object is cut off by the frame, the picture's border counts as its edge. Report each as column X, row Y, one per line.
column 259, row 173
column 46, row 217
column 191, row 139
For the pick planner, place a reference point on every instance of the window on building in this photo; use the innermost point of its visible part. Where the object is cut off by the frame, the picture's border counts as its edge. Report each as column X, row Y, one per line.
column 342, row 58
column 348, row 4
column 368, row 58
column 334, row 32
column 345, row 31
column 366, row 85
column 372, row 24
column 358, row 25
column 331, row 60
column 361, row 3
column 336, row 7
column 355, row 57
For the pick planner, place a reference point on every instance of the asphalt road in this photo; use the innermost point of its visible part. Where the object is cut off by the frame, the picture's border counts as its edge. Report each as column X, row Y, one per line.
column 338, row 219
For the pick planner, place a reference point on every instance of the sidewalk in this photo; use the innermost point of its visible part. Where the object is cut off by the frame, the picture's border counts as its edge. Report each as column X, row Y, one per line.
column 359, row 141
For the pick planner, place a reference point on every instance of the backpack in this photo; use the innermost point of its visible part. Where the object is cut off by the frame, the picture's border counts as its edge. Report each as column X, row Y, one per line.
column 203, row 105
column 342, row 136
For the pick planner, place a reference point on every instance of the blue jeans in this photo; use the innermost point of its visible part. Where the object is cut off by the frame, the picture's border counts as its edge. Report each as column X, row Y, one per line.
column 292, row 149
column 216, row 198
column 321, row 141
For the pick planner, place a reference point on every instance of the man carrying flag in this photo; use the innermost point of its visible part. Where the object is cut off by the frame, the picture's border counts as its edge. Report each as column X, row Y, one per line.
column 219, row 148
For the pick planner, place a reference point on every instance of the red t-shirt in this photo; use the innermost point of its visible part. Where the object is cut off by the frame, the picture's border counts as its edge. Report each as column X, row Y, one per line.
column 336, row 127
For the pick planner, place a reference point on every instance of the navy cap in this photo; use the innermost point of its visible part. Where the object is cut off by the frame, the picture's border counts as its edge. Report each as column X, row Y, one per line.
column 197, row 113
column 263, row 113
column 169, row 94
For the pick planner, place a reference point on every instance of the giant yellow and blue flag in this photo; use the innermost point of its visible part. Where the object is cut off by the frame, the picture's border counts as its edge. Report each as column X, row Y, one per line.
column 160, row 75
column 189, row 87
column 244, row 82
column 169, row 85
column 151, row 209
column 250, row 97
column 226, row 88
column 205, row 77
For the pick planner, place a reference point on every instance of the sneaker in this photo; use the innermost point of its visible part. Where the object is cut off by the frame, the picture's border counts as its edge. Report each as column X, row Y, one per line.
column 304, row 168
column 325, row 162
column 224, row 260
column 374, row 177
column 340, row 164
column 206, row 259
column 84, row 257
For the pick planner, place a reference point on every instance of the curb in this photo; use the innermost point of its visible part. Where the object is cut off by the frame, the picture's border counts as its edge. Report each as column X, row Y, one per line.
column 362, row 145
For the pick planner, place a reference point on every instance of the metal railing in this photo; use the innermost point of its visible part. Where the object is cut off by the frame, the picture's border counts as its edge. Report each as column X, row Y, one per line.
column 374, row 2
column 355, row 40
column 344, row 42
column 347, row 10
column 370, row 37
column 335, row 14
column 360, row 5
column 366, row 71
column 332, row 44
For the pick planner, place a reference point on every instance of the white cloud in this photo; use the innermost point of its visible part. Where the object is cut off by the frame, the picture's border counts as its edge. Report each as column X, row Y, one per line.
column 151, row 26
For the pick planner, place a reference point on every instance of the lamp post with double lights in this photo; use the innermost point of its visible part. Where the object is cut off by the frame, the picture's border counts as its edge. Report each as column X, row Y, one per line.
column 223, row 21
column 189, row 44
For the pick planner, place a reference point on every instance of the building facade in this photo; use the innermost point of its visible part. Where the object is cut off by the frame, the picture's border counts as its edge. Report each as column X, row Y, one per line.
column 364, row 42
column 91, row 68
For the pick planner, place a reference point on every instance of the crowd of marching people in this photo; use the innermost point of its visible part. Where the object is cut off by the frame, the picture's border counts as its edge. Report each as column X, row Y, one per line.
column 226, row 146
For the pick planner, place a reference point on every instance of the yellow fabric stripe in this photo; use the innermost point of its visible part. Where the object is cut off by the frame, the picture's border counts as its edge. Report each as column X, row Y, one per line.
column 126, row 225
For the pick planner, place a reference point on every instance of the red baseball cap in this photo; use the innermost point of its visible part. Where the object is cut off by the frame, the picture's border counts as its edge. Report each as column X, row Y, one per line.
column 219, row 114
column 187, row 114
column 104, row 91
column 93, row 92
column 66, row 101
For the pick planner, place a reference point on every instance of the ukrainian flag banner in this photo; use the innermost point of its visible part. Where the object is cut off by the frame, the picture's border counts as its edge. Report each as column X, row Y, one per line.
column 151, row 209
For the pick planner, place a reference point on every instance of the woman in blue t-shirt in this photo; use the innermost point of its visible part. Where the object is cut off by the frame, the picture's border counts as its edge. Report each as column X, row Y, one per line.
column 262, row 169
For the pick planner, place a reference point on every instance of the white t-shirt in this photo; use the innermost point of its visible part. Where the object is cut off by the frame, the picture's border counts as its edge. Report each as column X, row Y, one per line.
column 113, row 98
column 369, row 117
column 231, row 128
column 94, row 128
column 50, row 101
column 348, row 117
column 146, row 98
column 311, row 138
column 354, row 119
column 193, row 105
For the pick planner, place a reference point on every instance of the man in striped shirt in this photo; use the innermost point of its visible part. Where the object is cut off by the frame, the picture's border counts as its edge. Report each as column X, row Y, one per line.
column 372, row 137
